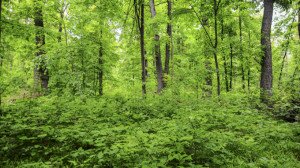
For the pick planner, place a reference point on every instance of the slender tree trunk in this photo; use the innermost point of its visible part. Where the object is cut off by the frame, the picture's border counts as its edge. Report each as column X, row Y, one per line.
column 41, row 73
column 299, row 21
column 224, row 58
column 158, row 62
column 266, row 81
column 140, row 17
column 249, row 64
column 216, row 47
column 231, row 66
column 60, row 28
column 208, row 78
column 100, row 66
column 285, row 53
column 168, row 45
column 241, row 51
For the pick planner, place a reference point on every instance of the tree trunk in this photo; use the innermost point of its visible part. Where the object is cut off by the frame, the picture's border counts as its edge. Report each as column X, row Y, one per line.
column 158, row 62
column 231, row 66
column 216, row 47
column 299, row 21
column 1, row 54
column 41, row 73
column 208, row 78
column 140, row 17
column 241, row 51
column 60, row 25
column 248, row 64
column 266, row 63
column 224, row 58
column 100, row 66
column 168, row 45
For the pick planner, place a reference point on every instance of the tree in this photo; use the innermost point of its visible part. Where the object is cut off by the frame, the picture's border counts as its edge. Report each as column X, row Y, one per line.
column 266, row 79
column 140, row 17
column 216, row 9
column 40, row 71
column 169, row 42
column 1, row 54
column 158, row 62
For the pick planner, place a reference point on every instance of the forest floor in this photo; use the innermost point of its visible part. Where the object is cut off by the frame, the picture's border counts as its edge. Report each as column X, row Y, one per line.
column 160, row 131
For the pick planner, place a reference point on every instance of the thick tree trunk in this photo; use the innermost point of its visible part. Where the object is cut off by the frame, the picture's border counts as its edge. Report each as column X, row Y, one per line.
column 1, row 54
column 158, row 62
column 266, row 80
column 140, row 17
column 100, row 66
column 168, row 45
column 241, row 51
column 216, row 47
column 41, row 73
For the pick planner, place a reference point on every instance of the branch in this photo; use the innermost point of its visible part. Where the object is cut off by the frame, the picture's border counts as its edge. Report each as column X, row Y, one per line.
column 206, row 32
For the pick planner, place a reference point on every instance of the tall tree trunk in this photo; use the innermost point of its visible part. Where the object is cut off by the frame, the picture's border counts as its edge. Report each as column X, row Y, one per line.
column 231, row 66
column 1, row 54
column 266, row 80
column 140, row 17
column 248, row 64
column 285, row 52
column 241, row 51
column 216, row 47
column 41, row 73
column 299, row 21
column 168, row 45
column 224, row 58
column 60, row 28
column 158, row 62
column 100, row 66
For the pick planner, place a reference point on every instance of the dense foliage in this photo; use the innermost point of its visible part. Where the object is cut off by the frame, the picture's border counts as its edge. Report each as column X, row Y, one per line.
column 122, row 132
column 149, row 83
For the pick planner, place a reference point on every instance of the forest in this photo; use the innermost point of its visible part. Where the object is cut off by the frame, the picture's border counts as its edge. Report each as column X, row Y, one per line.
column 150, row 83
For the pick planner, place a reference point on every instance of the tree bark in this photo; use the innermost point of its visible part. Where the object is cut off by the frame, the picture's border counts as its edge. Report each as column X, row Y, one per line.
column 168, row 45
column 224, row 58
column 100, row 66
column 241, row 51
column 266, row 81
column 231, row 66
column 299, row 21
column 249, row 64
column 158, row 62
column 60, row 28
column 40, row 71
column 140, row 17
column 216, row 47
column 1, row 54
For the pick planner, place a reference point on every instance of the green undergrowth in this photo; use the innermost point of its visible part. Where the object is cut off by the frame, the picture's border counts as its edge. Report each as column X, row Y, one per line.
column 159, row 131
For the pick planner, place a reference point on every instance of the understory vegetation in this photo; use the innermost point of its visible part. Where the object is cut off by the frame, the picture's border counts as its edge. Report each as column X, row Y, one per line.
column 154, row 132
